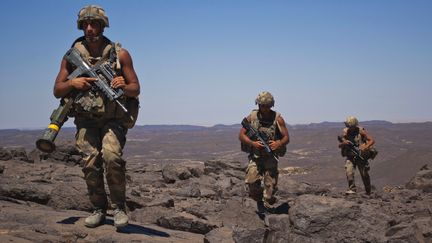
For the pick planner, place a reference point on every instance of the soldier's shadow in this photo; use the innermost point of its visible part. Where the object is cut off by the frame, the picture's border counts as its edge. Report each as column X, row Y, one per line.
column 129, row 229
column 281, row 209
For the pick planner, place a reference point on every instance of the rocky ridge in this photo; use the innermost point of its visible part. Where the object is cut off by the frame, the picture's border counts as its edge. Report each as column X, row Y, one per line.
column 43, row 199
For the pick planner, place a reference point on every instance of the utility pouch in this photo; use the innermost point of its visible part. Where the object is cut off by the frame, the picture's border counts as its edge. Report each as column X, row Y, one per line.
column 370, row 153
column 132, row 105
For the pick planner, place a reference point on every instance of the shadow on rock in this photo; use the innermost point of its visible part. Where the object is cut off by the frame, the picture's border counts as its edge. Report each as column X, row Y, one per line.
column 137, row 229
column 281, row 209
column 129, row 229
column 70, row 220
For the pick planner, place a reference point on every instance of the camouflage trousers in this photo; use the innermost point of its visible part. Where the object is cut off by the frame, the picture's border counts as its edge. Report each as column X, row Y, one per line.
column 261, row 179
column 350, row 166
column 101, row 144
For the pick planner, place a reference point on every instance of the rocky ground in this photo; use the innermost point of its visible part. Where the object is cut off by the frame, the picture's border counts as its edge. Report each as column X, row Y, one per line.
column 43, row 199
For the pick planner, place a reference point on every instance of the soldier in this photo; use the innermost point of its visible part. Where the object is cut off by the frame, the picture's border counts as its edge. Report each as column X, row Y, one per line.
column 354, row 137
column 262, row 171
column 101, row 124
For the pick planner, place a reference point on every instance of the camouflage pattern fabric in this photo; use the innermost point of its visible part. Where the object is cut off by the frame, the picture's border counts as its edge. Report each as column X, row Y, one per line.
column 265, row 98
column 101, row 142
column 272, row 132
column 261, row 178
column 351, row 121
column 350, row 166
column 92, row 12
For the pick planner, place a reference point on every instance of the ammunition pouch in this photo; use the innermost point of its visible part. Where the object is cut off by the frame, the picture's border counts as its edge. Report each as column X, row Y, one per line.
column 95, row 106
column 90, row 103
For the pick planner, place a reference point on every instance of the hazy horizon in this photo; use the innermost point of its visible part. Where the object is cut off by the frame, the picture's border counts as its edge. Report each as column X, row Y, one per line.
column 70, row 125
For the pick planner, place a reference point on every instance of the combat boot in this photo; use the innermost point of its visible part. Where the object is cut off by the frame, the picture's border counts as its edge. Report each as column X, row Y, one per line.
column 350, row 192
column 120, row 218
column 260, row 207
column 261, row 210
column 268, row 205
column 97, row 218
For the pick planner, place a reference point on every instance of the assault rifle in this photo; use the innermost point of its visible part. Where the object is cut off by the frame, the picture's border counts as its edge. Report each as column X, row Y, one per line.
column 104, row 74
column 354, row 149
column 263, row 138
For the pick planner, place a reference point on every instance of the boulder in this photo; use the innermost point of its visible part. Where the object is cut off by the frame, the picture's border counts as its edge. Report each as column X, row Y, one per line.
column 219, row 235
column 65, row 196
column 186, row 222
column 319, row 217
column 172, row 172
column 422, row 180
column 249, row 235
column 5, row 154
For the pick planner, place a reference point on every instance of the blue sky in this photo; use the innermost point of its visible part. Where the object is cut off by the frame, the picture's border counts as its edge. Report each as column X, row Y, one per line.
column 203, row 62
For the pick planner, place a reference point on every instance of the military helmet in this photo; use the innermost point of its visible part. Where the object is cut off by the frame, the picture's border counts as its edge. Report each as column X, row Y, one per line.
column 92, row 12
column 265, row 98
column 351, row 121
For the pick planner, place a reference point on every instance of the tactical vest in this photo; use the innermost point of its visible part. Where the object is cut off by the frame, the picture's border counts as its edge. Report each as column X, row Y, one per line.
column 357, row 139
column 271, row 130
column 93, row 103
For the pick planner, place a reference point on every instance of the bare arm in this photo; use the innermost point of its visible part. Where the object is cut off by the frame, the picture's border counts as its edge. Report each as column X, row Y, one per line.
column 369, row 140
column 63, row 86
column 285, row 135
column 129, row 81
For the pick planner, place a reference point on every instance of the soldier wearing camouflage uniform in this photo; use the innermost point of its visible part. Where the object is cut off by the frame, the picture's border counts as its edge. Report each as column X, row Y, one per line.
column 356, row 135
column 262, row 171
column 101, row 124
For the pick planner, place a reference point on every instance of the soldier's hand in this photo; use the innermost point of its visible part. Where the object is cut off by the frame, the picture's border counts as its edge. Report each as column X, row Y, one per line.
column 82, row 83
column 344, row 143
column 274, row 144
column 257, row 145
column 118, row 82
column 363, row 147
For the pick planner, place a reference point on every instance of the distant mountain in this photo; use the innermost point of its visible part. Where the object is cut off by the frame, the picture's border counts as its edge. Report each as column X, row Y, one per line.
column 169, row 127
column 324, row 124
column 327, row 124
column 376, row 123
column 8, row 132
